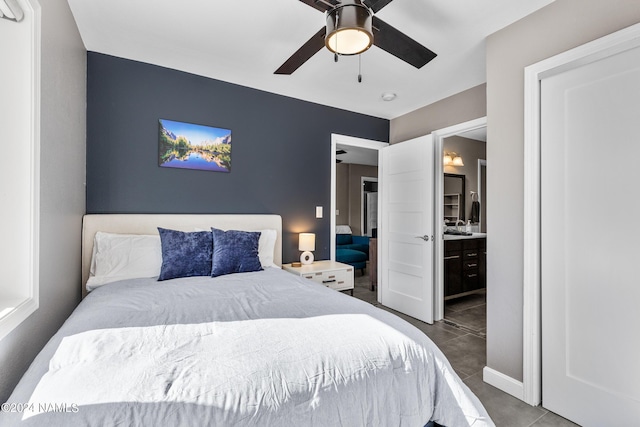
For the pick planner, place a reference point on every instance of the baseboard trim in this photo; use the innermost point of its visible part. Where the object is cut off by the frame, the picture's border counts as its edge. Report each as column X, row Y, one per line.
column 503, row 382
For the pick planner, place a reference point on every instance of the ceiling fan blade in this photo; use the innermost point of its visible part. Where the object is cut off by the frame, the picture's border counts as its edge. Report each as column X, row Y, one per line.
column 302, row 55
column 399, row 44
column 376, row 5
column 321, row 5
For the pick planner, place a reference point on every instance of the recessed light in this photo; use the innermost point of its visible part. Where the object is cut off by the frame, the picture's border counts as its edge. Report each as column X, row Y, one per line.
column 388, row 96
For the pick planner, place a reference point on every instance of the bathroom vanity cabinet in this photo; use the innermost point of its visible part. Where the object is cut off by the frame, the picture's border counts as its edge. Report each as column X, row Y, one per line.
column 464, row 265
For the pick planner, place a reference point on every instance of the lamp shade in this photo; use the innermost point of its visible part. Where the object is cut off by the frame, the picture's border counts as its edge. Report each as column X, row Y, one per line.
column 452, row 159
column 307, row 242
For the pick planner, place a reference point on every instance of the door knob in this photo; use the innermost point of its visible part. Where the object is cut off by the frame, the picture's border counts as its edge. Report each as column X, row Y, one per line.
column 425, row 238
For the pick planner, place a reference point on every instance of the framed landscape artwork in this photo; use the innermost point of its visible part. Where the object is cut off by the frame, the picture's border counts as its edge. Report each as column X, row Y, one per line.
column 189, row 146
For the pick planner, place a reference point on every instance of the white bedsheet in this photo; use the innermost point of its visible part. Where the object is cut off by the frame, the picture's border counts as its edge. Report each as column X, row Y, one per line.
column 264, row 348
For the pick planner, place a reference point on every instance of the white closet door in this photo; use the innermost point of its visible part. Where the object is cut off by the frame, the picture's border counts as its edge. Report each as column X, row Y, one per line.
column 590, row 196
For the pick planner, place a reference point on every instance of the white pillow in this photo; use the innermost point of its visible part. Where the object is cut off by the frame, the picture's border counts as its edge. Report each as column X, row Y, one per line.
column 124, row 256
column 266, row 246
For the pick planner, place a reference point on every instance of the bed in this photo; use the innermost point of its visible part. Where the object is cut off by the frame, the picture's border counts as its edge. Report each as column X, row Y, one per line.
column 259, row 348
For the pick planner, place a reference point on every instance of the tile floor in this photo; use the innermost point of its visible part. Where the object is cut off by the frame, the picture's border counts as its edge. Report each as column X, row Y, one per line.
column 468, row 312
column 466, row 350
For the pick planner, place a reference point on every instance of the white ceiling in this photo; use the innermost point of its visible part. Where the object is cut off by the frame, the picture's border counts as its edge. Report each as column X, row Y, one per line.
column 244, row 42
column 477, row 134
column 357, row 155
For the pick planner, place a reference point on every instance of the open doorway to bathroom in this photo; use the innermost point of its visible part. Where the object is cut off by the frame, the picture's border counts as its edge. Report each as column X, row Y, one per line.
column 464, row 258
column 461, row 255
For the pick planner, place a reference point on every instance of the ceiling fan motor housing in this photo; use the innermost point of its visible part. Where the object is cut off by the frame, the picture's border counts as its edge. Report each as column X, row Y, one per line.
column 349, row 29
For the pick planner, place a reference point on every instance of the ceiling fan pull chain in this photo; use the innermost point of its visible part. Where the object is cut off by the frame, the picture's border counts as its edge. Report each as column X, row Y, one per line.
column 359, row 68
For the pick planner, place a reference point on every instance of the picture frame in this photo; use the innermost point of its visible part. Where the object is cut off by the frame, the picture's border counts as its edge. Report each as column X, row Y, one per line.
column 184, row 145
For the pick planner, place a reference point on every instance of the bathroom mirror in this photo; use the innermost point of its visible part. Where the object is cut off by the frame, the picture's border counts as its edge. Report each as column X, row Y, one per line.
column 454, row 196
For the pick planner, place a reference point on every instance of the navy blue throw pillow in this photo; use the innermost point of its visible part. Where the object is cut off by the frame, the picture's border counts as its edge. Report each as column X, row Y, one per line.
column 185, row 254
column 235, row 252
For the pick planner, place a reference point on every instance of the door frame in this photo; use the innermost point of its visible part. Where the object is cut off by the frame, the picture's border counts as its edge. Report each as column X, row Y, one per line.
column 353, row 142
column 606, row 46
column 481, row 163
column 438, row 194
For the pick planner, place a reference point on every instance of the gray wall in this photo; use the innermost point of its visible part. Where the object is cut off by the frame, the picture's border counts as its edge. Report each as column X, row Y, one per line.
column 556, row 28
column 342, row 193
column 281, row 149
column 349, row 194
column 62, row 195
column 356, row 172
column 470, row 150
column 462, row 107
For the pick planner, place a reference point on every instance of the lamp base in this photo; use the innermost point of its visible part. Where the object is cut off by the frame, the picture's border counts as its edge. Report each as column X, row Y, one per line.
column 306, row 258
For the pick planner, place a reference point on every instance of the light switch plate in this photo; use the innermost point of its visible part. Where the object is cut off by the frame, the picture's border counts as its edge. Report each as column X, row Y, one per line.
column 318, row 211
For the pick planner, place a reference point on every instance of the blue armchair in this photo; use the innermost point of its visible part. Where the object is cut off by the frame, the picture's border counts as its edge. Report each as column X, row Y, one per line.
column 352, row 250
column 357, row 243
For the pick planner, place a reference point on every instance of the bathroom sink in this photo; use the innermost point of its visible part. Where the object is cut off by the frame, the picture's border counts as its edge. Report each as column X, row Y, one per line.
column 457, row 233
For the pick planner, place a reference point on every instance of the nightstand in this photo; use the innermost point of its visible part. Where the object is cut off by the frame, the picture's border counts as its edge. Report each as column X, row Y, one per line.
column 334, row 275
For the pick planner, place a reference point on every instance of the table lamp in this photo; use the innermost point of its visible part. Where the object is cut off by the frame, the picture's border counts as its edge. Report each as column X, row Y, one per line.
column 306, row 243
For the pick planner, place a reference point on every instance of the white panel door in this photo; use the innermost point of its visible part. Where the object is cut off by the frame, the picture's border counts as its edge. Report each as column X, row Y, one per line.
column 590, row 208
column 406, row 230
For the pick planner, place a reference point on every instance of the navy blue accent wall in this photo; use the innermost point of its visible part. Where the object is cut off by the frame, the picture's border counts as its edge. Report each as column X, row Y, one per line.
column 281, row 148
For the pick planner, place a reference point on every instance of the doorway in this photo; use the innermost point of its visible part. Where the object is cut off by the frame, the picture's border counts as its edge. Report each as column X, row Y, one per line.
column 359, row 158
column 465, row 290
column 464, row 281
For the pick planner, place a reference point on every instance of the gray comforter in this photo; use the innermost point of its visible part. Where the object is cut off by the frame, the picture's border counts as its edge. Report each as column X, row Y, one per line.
column 263, row 349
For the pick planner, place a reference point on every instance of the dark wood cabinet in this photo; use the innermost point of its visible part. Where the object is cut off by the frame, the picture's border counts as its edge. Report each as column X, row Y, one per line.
column 464, row 266
column 452, row 267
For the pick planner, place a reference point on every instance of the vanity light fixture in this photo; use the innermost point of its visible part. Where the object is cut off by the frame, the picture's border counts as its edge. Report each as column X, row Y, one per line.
column 452, row 159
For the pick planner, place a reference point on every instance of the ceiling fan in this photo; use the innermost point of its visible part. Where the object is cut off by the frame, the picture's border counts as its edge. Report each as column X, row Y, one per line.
column 351, row 29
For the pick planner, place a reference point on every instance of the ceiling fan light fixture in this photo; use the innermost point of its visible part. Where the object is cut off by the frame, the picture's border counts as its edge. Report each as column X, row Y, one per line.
column 349, row 29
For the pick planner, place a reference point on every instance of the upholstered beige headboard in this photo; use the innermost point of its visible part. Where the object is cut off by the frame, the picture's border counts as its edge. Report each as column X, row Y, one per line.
column 149, row 223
